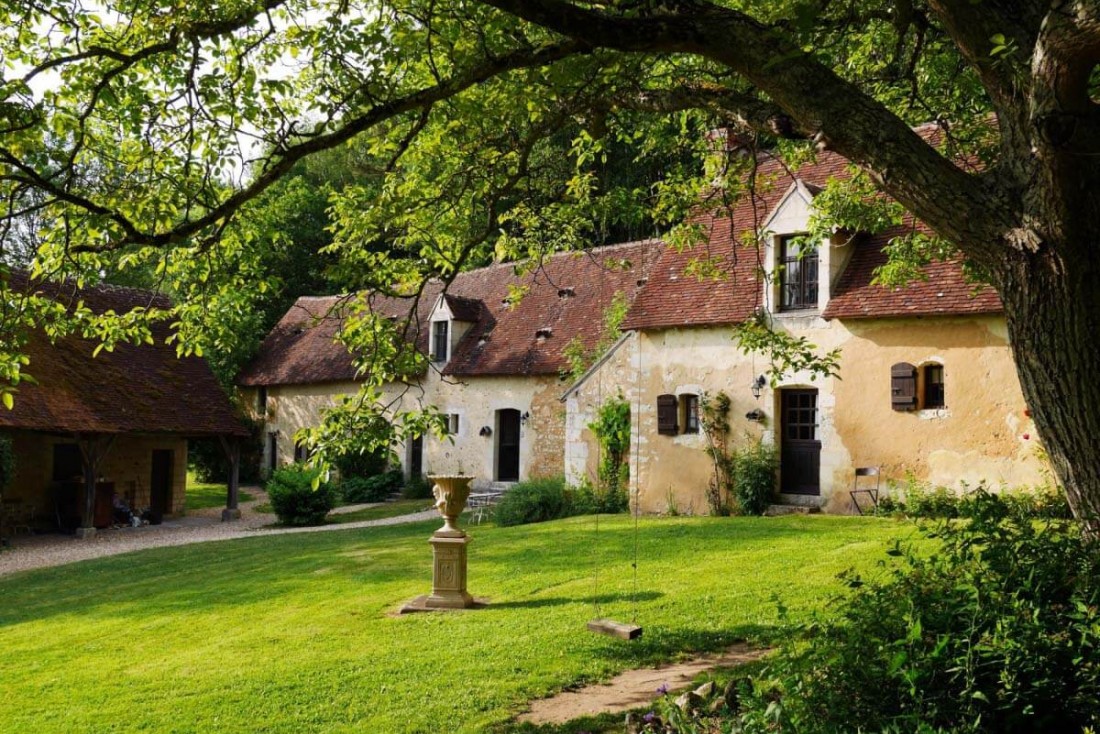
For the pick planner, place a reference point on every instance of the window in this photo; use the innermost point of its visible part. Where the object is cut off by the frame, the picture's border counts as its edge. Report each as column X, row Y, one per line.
column 301, row 453
column 907, row 393
column 261, row 401
column 440, row 342
column 67, row 462
column 667, row 407
column 451, row 425
column 933, row 386
column 690, row 410
column 798, row 275
column 272, row 451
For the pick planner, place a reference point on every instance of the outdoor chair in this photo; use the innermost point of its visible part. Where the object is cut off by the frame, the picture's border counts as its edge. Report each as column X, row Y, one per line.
column 865, row 482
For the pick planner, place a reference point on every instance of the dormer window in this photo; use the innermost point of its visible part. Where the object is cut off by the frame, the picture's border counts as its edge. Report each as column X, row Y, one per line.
column 440, row 340
column 798, row 274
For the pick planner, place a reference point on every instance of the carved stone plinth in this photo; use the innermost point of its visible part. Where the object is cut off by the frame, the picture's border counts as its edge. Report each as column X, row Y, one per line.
column 448, row 550
column 449, row 574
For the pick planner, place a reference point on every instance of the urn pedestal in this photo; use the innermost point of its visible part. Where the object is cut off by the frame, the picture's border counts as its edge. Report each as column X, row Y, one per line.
column 448, row 549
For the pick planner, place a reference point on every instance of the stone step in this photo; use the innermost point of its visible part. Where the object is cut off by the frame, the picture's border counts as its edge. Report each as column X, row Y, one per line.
column 776, row 510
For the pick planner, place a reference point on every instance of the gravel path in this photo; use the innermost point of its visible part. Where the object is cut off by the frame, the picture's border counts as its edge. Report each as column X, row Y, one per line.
column 200, row 526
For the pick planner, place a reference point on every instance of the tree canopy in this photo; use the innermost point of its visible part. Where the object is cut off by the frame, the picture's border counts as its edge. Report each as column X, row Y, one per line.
column 139, row 134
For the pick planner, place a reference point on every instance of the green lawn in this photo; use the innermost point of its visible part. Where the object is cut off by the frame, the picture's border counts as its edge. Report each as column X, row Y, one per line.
column 381, row 512
column 201, row 494
column 294, row 633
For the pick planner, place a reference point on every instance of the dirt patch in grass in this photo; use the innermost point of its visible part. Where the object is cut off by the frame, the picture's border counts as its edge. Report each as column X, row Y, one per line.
column 634, row 688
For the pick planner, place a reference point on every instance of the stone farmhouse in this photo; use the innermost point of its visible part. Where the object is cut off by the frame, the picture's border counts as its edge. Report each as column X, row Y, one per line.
column 97, row 425
column 497, row 365
column 927, row 386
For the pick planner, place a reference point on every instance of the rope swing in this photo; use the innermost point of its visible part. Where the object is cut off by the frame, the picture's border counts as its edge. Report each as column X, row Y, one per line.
column 600, row 624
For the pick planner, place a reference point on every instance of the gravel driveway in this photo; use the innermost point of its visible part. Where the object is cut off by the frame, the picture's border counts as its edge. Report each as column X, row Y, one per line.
column 200, row 526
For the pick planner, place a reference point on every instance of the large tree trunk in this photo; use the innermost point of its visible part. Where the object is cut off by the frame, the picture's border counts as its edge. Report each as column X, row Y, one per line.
column 1053, row 310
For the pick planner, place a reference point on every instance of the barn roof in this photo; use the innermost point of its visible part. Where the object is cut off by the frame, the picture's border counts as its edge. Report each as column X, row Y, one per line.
column 133, row 389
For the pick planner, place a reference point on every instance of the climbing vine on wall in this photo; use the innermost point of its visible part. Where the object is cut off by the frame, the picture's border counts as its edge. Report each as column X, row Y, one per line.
column 612, row 429
column 714, row 421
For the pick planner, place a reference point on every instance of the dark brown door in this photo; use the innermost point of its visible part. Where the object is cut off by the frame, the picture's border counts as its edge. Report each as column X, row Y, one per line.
column 800, row 451
column 160, row 484
column 416, row 457
column 508, row 445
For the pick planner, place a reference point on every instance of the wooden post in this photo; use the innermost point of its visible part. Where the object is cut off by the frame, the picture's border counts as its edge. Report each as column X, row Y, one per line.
column 232, row 449
column 92, row 453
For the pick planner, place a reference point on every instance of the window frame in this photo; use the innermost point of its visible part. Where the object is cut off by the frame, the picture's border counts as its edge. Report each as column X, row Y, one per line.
column 441, row 340
column 785, row 260
column 932, row 398
column 452, row 424
column 689, row 414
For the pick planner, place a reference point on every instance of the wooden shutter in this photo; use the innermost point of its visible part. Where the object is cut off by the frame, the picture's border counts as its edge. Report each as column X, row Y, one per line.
column 666, row 415
column 903, row 386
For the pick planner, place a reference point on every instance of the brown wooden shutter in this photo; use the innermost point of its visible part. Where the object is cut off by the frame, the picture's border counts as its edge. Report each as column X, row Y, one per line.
column 903, row 386
column 666, row 415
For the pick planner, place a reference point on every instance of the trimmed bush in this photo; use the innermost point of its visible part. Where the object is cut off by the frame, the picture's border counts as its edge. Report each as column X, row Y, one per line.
column 549, row 498
column 378, row 488
column 417, row 488
column 294, row 499
column 995, row 631
column 753, row 468
column 536, row 500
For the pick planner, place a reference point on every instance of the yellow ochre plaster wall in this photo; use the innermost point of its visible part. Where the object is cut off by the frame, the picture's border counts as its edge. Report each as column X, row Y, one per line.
column 979, row 434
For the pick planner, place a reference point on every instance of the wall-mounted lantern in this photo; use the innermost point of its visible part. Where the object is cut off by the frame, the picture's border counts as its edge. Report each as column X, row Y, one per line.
column 755, row 415
column 757, row 386
column 485, row 431
column 524, row 418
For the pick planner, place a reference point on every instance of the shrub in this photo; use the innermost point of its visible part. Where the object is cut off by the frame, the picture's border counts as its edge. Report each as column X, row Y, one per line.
column 754, row 468
column 535, row 500
column 994, row 631
column 206, row 457
column 370, row 489
column 294, row 499
column 360, row 465
column 920, row 500
column 589, row 500
column 417, row 488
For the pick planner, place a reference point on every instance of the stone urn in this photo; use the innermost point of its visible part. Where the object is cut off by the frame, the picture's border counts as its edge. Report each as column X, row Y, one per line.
column 451, row 493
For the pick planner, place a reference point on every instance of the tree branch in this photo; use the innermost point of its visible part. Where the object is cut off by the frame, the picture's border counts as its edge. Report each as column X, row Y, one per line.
column 846, row 119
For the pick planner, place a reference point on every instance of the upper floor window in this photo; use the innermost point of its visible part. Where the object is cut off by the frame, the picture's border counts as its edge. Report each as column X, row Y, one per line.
column 451, row 423
column 798, row 274
column 261, row 400
column 440, row 340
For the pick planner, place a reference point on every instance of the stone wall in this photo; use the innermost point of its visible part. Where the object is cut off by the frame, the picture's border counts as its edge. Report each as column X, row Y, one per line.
column 982, row 433
column 129, row 464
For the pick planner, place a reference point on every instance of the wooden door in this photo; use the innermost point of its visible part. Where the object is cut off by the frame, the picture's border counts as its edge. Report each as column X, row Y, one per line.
column 416, row 457
column 160, row 484
column 508, row 445
column 800, row 449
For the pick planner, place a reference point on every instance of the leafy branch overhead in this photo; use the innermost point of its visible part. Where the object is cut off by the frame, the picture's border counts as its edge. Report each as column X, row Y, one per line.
column 135, row 136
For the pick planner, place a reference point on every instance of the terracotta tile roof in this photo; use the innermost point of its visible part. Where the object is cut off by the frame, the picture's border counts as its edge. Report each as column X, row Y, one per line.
column 676, row 297
column 944, row 293
column 463, row 309
column 566, row 296
column 134, row 389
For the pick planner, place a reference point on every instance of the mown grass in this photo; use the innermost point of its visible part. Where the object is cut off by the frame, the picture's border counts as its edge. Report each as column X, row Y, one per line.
column 380, row 512
column 202, row 494
column 295, row 633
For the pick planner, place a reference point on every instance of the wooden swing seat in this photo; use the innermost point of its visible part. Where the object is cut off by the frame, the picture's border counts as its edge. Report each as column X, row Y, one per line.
column 612, row 628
